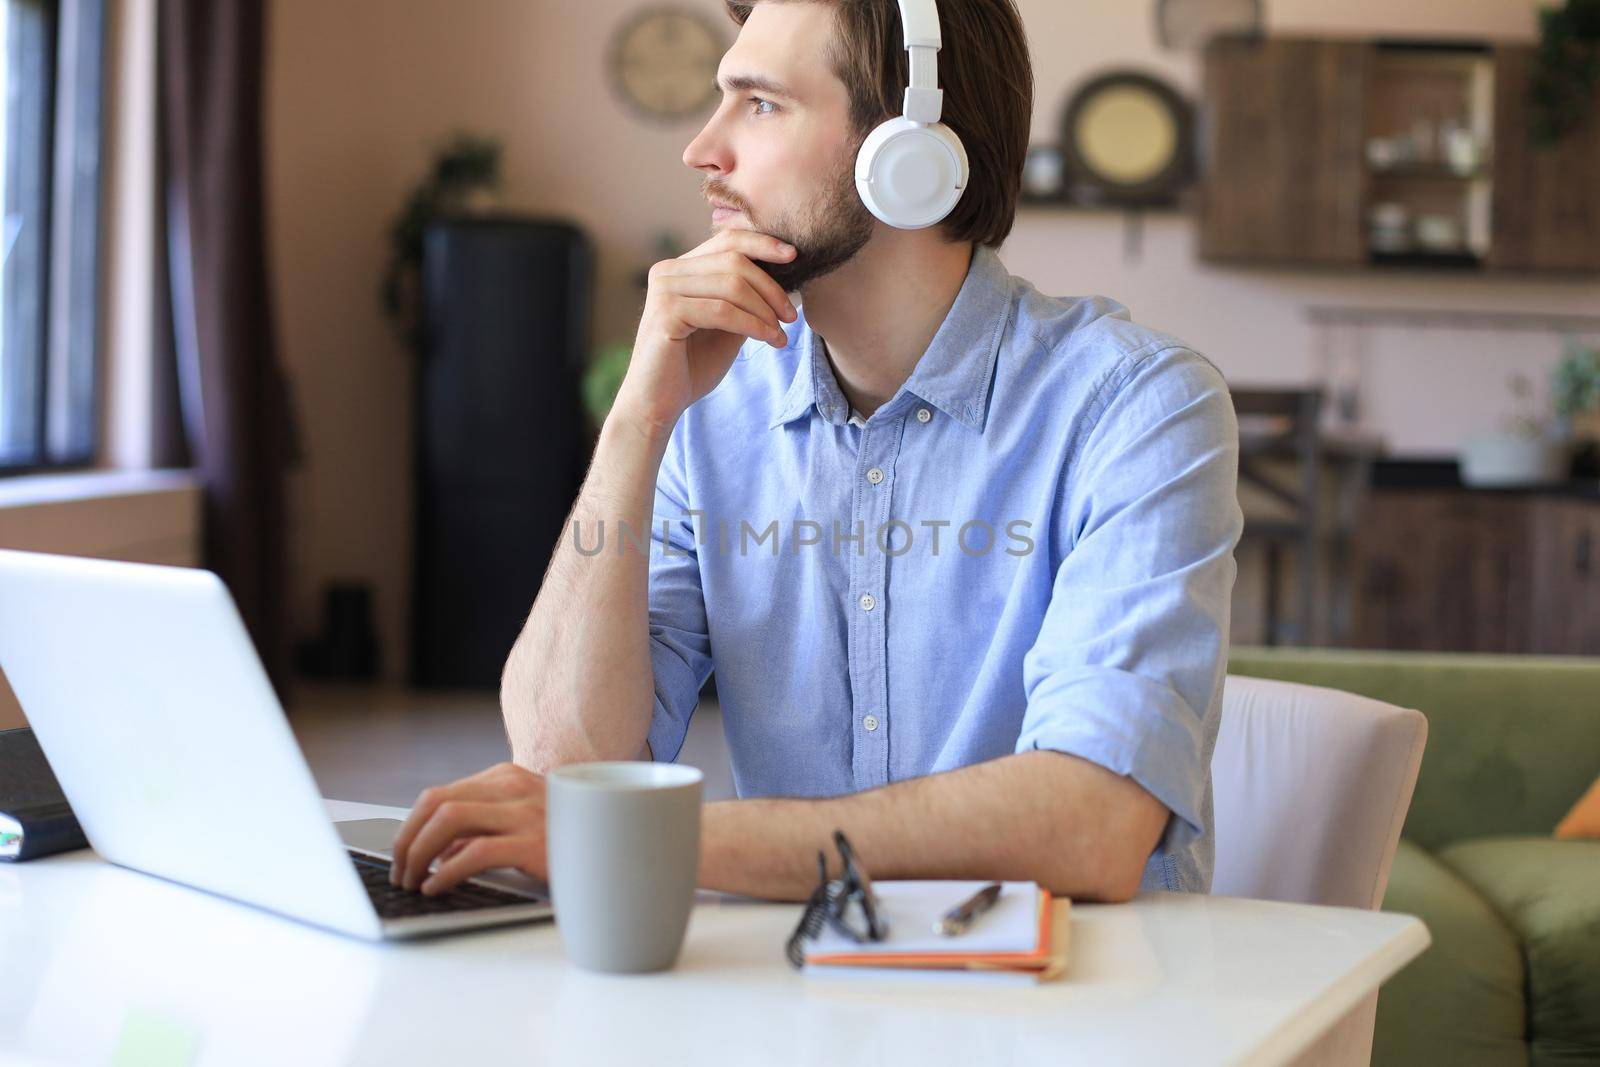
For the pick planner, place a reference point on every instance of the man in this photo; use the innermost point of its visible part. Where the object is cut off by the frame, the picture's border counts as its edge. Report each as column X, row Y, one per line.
column 959, row 554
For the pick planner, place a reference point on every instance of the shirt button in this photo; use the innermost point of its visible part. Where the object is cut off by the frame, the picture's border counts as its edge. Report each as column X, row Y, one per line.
column 868, row 602
column 874, row 476
column 870, row 723
column 923, row 414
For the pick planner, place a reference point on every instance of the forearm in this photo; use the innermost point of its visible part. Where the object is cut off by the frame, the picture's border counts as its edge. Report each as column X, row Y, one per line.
column 1071, row 825
column 578, row 683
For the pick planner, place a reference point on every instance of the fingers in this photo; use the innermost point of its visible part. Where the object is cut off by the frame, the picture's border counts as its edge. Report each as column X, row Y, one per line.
column 503, row 780
column 726, row 269
column 720, row 269
column 701, row 313
column 735, row 290
column 482, row 854
column 733, row 256
column 763, row 284
column 752, row 243
column 428, row 802
column 456, row 819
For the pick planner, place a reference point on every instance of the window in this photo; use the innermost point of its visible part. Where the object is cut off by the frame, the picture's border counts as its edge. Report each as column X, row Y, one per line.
column 51, row 60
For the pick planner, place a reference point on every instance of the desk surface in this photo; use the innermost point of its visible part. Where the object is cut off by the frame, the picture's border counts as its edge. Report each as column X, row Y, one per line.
column 98, row 963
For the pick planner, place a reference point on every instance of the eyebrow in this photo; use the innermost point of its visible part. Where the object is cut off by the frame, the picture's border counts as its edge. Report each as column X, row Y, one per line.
column 744, row 83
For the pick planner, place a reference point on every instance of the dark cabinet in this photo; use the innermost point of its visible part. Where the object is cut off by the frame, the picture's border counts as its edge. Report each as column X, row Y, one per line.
column 500, row 444
column 1566, row 581
column 1546, row 213
column 1281, row 145
column 1463, row 571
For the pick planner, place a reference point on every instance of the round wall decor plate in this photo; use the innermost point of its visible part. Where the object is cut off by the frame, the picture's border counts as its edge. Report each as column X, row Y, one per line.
column 1128, row 138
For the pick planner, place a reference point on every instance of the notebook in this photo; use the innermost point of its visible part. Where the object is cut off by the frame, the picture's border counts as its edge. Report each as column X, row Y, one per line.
column 1025, row 932
column 35, row 818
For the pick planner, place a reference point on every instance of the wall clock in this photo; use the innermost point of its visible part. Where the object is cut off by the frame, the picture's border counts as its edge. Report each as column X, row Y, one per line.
column 1191, row 23
column 663, row 62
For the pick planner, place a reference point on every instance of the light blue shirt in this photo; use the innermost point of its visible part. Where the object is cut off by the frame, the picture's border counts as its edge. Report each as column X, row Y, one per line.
column 1030, row 546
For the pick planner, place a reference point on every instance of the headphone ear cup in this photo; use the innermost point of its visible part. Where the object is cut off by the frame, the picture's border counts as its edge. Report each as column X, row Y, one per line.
column 911, row 175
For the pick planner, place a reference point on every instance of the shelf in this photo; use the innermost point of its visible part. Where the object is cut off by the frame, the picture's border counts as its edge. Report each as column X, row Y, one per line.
column 1064, row 203
column 1429, row 172
column 1397, row 51
column 1452, row 260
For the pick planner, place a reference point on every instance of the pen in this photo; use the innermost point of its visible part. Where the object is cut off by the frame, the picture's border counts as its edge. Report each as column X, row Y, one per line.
column 959, row 918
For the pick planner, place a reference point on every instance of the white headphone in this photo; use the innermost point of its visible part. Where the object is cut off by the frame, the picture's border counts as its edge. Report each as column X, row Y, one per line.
column 911, row 170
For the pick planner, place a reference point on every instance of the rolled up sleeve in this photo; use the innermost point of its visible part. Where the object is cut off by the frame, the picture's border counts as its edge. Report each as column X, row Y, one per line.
column 1127, row 668
column 680, row 648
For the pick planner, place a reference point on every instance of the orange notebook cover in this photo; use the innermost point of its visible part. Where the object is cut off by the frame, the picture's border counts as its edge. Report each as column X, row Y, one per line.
column 1046, row 957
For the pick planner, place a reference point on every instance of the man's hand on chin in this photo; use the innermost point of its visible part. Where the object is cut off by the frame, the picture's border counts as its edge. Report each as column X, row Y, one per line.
column 494, row 818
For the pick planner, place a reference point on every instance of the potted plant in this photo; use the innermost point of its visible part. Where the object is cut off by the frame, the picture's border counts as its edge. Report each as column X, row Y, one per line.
column 609, row 364
column 1567, row 70
column 603, row 379
column 464, row 179
column 1575, row 389
column 1522, row 452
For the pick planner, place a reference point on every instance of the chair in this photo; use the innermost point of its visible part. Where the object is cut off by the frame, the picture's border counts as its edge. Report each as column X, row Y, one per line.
column 1310, row 787
column 1284, row 424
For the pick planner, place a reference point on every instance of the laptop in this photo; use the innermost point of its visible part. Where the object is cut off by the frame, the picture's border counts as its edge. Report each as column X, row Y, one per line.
column 147, row 696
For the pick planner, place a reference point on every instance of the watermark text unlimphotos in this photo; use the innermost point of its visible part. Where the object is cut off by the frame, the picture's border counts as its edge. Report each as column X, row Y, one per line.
column 894, row 537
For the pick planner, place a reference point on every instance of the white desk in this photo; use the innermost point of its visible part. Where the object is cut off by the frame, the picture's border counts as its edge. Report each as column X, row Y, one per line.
column 95, row 959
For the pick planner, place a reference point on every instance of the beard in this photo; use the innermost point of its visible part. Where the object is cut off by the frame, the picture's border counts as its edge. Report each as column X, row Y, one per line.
column 825, row 237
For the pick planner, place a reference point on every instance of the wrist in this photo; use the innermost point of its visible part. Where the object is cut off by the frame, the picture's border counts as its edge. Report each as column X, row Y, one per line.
column 652, row 427
column 732, row 858
column 763, row 846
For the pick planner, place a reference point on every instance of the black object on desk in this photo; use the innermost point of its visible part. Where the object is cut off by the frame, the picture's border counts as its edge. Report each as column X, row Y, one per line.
column 35, row 818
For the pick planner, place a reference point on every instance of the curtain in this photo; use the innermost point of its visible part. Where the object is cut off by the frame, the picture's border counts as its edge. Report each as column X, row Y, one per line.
column 231, row 395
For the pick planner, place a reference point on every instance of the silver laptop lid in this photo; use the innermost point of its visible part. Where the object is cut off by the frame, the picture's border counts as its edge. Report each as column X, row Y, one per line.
column 157, row 717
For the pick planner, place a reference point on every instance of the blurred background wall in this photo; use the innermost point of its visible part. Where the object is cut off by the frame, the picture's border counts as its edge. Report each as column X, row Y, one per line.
column 361, row 92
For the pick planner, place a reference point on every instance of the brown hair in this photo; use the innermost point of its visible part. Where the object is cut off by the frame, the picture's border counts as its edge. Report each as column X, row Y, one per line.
column 987, row 78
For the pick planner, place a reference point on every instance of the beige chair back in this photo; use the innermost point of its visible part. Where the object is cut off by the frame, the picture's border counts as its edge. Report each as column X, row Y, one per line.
column 1310, row 788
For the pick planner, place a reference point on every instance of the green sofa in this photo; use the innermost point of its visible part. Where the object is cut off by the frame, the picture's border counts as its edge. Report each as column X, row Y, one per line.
column 1513, row 976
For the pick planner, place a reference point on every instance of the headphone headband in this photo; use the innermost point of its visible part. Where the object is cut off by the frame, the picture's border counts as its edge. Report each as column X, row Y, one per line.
column 919, row 26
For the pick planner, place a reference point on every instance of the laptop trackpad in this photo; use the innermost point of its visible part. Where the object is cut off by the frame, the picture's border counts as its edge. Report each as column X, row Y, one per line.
column 375, row 837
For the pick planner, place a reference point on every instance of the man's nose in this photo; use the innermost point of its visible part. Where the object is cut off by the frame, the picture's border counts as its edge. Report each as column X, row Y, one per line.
column 708, row 151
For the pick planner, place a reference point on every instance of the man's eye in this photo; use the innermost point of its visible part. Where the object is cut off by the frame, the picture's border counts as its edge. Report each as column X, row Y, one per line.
column 756, row 103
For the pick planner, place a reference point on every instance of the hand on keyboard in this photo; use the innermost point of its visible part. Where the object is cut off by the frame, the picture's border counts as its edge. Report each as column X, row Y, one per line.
column 495, row 818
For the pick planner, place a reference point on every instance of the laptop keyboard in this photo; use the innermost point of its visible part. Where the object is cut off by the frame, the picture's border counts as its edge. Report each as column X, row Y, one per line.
column 396, row 902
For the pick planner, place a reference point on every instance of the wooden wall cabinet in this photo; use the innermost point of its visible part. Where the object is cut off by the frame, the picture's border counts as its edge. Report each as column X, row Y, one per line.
column 1546, row 213
column 1286, row 178
column 1460, row 571
column 1281, row 151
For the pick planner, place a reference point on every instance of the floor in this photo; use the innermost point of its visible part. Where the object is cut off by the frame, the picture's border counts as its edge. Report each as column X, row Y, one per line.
column 385, row 744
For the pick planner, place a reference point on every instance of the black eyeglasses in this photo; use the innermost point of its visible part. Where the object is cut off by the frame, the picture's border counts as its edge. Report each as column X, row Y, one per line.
column 847, row 904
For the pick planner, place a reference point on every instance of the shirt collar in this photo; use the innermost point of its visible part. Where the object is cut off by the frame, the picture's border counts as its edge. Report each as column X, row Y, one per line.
column 953, row 374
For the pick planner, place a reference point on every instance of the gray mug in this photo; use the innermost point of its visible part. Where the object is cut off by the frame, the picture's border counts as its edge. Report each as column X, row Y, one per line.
column 624, row 856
